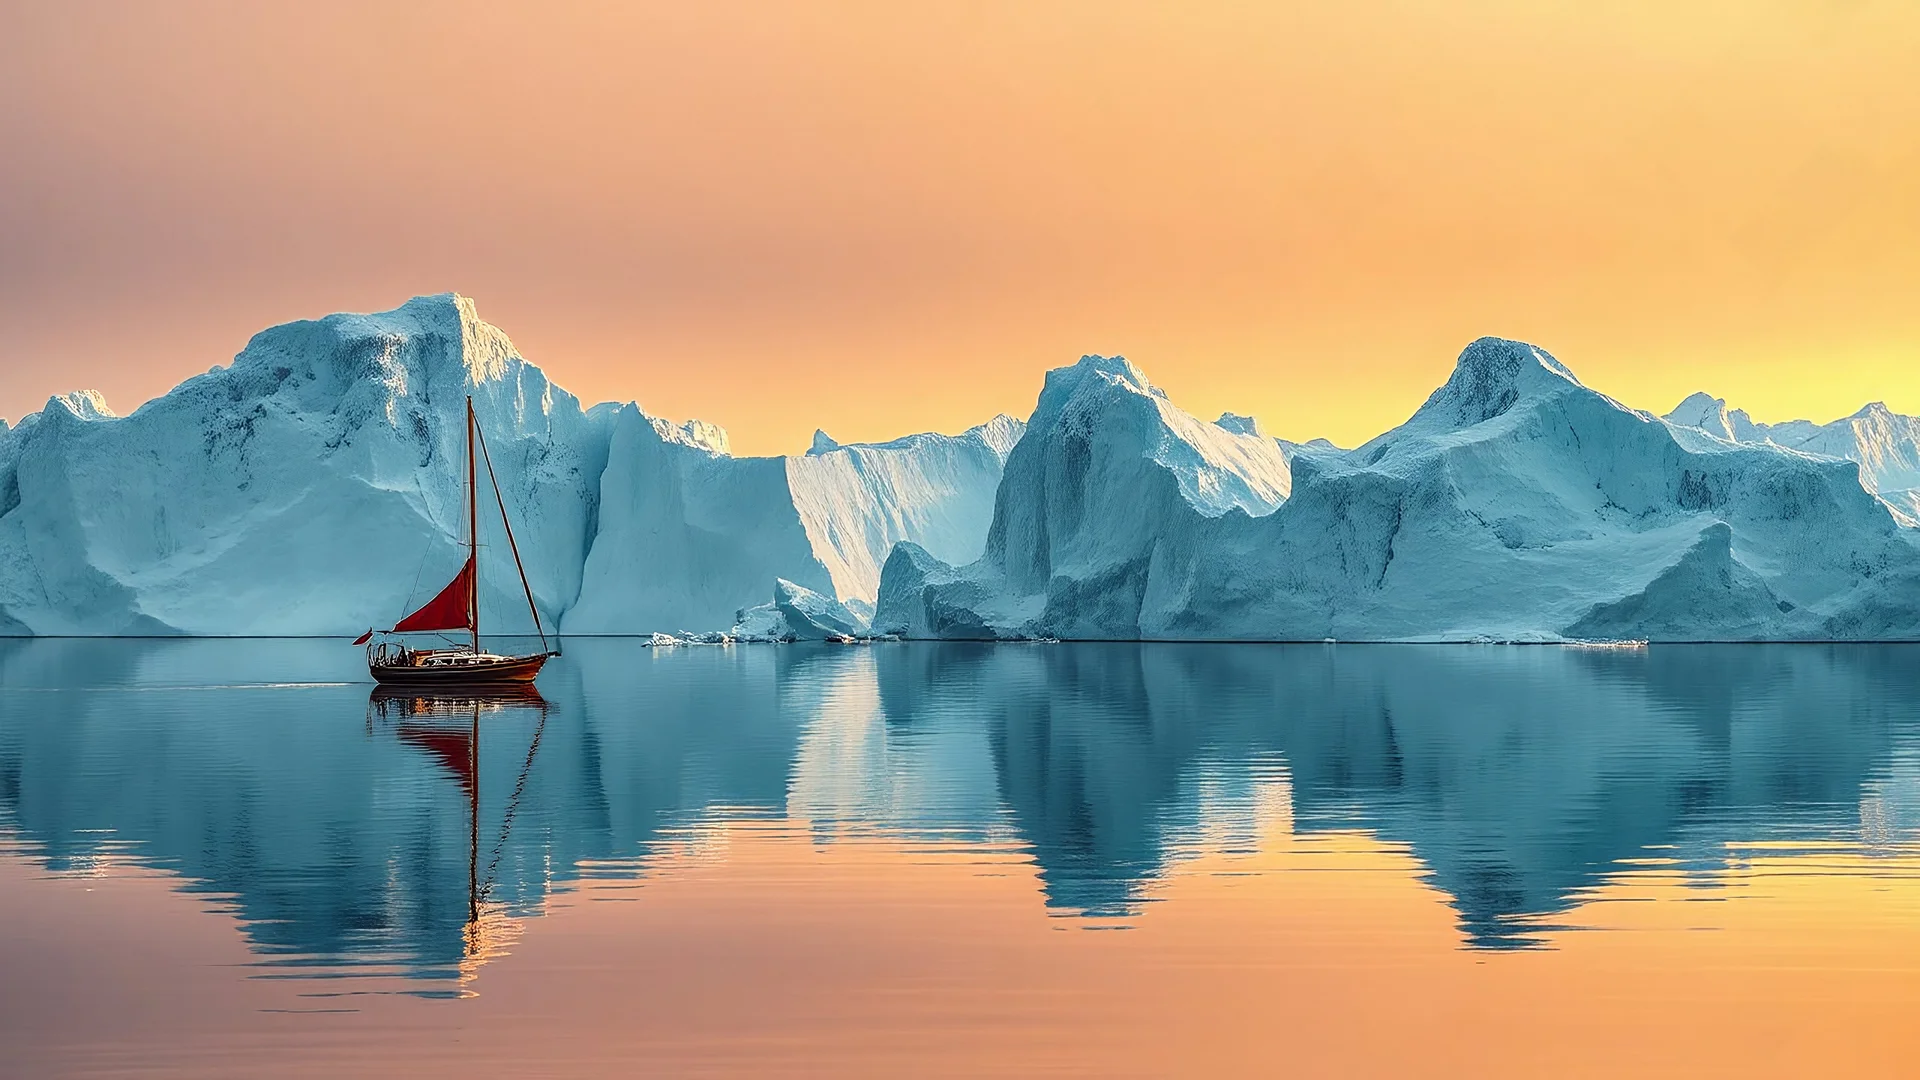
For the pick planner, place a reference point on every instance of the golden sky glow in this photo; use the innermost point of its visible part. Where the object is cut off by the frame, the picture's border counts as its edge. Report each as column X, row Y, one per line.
column 883, row 217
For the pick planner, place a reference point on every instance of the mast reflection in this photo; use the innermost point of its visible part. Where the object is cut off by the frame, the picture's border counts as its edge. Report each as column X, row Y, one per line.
column 447, row 728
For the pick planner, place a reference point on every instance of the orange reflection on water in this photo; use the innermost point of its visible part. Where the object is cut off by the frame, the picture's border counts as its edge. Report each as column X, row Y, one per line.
column 756, row 947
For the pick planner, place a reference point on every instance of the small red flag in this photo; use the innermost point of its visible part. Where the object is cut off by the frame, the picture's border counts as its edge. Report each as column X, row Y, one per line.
column 363, row 638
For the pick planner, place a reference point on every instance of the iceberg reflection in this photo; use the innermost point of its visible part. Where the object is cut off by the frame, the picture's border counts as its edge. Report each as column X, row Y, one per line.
column 412, row 838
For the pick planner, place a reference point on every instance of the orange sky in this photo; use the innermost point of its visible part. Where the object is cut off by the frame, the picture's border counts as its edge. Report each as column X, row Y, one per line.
column 877, row 217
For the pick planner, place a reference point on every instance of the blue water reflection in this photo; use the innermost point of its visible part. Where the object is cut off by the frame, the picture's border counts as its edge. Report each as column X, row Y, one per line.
column 348, row 837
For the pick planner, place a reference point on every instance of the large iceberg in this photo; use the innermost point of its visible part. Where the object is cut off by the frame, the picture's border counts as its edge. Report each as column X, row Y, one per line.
column 1515, row 504
column 1108, row 471
column 301, row 490
column 308, row 487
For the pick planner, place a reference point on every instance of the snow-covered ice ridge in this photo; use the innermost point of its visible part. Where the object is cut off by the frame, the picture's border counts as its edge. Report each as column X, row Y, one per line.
column 1515, row 505
column 308, row 486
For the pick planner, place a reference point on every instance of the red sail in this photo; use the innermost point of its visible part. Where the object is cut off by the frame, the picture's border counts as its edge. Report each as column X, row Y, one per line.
column 450, row 610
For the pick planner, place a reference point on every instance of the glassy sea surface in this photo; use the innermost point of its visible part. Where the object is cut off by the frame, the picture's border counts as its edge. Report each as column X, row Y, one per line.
column 231, row 858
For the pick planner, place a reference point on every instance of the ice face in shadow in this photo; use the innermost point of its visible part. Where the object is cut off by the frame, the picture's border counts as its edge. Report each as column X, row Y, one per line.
column 1521, row 778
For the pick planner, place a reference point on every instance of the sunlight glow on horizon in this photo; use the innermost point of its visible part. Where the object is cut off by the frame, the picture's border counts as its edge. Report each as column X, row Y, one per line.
column 877, row 220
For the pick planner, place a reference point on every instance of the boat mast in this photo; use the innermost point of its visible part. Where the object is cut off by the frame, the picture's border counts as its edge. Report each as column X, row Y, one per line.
column 473, row 535
column 507, row 525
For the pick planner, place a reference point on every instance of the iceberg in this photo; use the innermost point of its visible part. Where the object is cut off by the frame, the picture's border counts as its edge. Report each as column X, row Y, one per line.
column 812, row 617
column 797, row 613
column 1516, row 505
column 1108, row 471
column 688, row 535
column 308, row 486
column 299, row 490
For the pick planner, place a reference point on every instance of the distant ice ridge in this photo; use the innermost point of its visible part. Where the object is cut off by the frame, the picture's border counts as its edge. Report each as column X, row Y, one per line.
column 1515, row 504
column 1883, row 443
column 311, row 485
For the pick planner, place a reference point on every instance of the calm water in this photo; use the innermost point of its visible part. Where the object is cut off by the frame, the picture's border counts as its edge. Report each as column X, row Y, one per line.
column 223, row 858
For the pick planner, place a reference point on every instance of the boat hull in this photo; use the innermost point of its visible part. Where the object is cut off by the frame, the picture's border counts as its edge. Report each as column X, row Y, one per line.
column 505, row 671
column 406, row 703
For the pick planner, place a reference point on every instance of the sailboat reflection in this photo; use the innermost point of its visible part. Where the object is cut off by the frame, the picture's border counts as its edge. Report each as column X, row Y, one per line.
column 448, row 728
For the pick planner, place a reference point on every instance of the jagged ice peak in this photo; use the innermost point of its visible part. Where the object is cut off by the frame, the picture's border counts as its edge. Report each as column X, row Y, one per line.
column 85, row 404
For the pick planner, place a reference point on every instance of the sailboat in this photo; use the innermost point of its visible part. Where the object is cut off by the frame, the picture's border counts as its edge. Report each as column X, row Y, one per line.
column 393, row 662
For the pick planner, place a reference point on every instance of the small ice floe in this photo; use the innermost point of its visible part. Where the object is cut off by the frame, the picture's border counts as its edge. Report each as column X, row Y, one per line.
column 688, row 637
